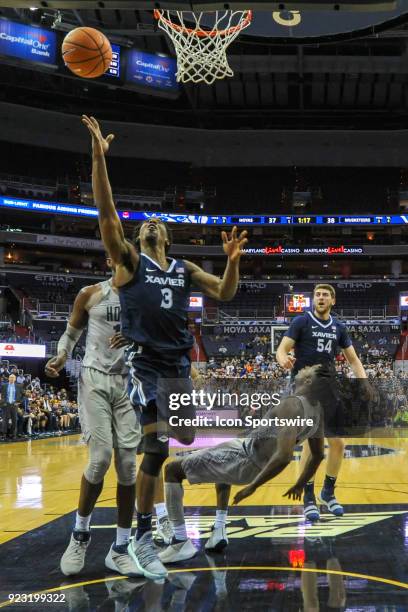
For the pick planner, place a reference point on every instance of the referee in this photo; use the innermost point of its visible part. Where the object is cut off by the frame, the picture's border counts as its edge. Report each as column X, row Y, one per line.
column 317, row 338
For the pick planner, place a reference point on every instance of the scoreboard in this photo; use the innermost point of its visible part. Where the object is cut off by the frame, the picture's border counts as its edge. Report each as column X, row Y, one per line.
column 245, row 220
column 297, row 303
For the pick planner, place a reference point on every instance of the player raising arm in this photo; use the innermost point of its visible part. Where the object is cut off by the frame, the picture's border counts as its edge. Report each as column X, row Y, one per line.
column 154, row 292
column 125, row 254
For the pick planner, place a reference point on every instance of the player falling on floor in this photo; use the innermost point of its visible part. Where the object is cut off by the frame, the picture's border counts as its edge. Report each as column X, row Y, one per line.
column 251, row 461
column 154, row 293
column 317, row 337
column 108, row 421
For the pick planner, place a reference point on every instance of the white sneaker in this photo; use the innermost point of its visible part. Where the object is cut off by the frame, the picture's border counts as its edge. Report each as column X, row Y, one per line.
column 145, row 557
column 119, row 560
column 178, row 551
column 218, row 539
column 73, row 560
column 164, row 531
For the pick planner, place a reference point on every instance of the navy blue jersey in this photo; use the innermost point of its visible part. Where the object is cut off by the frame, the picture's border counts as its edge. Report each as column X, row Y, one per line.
column 316, row 341
column 154, row 307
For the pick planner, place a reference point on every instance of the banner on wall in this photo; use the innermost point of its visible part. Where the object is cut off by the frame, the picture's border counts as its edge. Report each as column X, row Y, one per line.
column 28, row 42
column 13, row 349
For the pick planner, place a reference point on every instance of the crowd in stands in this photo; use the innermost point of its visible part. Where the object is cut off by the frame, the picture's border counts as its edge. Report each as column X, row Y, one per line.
column 370, row 346
column 373, row 346
column 43, row 411
column 263, row 373
column 6, row 329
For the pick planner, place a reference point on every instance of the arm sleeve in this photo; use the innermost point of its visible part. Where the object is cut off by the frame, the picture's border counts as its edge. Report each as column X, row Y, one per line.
column 344, row 340
column 295, row 329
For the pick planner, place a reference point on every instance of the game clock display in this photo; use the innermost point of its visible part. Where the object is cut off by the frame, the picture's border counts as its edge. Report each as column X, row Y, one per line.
column 297, row 303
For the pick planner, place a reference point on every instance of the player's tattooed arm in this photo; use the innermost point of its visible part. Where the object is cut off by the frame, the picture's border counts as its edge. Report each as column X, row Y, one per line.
column 354, row 362
column 119, row 249
column 75, row 327
column 367, row 390
column 225, row 288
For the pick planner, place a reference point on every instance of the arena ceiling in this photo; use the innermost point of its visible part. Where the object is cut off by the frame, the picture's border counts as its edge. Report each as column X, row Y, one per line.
column 359, row 83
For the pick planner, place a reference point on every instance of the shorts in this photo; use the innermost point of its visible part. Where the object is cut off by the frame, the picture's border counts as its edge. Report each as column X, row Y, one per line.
column 227, row 463
column 152, row 381
column 105, row 412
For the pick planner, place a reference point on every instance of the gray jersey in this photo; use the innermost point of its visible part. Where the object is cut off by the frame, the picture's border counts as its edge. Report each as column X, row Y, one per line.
column 103, row 322
column 261, row 442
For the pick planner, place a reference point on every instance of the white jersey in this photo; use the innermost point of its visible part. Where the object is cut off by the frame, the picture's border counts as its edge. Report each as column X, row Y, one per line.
column 261, row 453
column 103, row 322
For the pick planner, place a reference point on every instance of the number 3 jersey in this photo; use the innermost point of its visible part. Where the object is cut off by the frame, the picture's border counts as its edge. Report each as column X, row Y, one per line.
column 155, row 306
column 316, row 341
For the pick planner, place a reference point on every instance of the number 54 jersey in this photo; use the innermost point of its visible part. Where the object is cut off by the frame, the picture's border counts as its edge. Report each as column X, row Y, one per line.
column 154, row 307
column 316, row 341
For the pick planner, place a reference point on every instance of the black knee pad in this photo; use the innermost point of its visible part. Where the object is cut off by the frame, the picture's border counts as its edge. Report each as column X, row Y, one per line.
column 155, row 454
column 152, row 464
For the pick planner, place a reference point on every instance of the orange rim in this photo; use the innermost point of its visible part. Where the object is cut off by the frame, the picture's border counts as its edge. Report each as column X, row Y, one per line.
column 202, row 33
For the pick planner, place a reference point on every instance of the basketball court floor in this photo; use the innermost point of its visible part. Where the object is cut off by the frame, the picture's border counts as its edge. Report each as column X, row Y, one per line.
column 275, row 561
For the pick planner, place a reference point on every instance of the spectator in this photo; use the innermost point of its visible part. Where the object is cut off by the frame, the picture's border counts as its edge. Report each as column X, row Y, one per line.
column 11, row 395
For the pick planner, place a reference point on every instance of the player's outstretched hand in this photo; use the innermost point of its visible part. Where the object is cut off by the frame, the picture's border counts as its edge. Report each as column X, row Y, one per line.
column 99, row 143
column 118, row 341
column 294, row 492
column 243, row 493
column 55, row 365
column 233, row 246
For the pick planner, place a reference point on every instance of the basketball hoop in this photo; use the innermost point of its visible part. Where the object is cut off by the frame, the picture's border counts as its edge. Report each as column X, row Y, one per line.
column 201, row 41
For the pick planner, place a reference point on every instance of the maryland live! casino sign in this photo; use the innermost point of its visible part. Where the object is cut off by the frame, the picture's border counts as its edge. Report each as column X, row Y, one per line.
column 27, row 42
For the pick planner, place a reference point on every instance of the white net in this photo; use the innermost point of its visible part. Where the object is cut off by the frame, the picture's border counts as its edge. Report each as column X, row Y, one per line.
column 201, row 41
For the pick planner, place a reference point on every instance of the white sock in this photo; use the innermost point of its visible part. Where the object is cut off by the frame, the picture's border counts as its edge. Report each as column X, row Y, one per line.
column 122, row 535
column 82, row 523
column 161, row 510
column 180, row 532
column 220, row 518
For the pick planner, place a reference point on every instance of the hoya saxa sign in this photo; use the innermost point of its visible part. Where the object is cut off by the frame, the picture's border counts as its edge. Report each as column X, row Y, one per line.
column 28, row 42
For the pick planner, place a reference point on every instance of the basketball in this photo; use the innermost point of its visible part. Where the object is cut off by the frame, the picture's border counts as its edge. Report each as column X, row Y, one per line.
column 87, row 52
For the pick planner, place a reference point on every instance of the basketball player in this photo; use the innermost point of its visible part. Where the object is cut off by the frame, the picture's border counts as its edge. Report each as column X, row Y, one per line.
column 316, row 338
column 154, row 293
column 108, row 422
column 251, row 461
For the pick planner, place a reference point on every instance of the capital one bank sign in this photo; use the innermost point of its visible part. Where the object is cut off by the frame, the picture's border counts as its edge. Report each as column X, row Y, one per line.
column 27, row 42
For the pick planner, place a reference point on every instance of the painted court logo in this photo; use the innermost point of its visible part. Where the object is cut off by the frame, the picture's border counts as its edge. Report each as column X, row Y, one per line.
column 275, row 527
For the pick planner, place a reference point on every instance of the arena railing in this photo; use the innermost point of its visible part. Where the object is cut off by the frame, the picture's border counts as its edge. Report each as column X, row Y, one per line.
column 35, row 307
column 213, row 315
column 29, row 181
